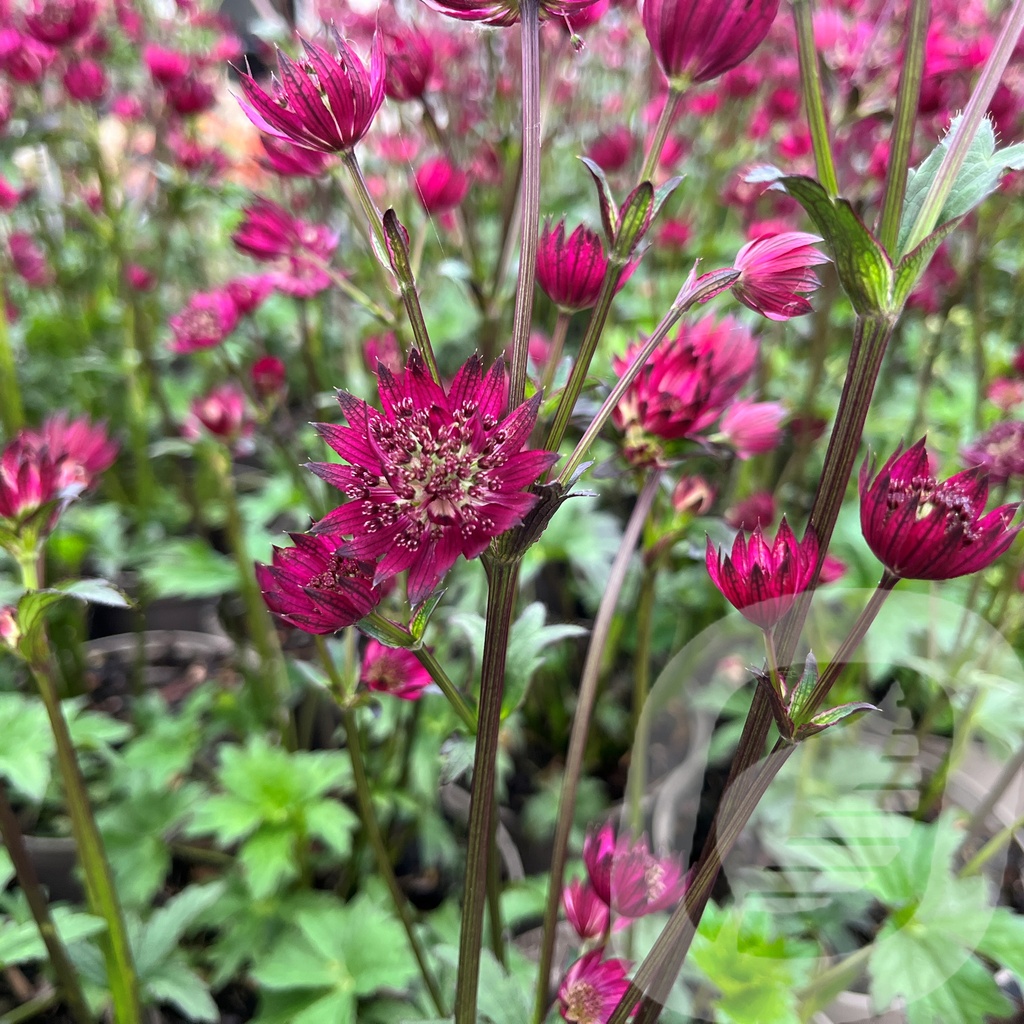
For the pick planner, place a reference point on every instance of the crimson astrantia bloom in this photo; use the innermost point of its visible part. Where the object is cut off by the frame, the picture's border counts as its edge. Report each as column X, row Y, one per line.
column 249, row 292
column 758, row 509
column 324, row 102
column 999, row 451
column 297, row 248
column 585, row 910
column 58, row 22
column 570, row 270
column 434, row 475
column 85, row 81
column 292, row 161
column 29, row 260
column 592, row 988
column 763, row 580
column 190, row 95
column 314, row 588
column 393, row 670
column 775, row 273
column 223, row 413
column 698, row 40
column 410, row 60
column 207, row 319
column 753, row 427
column 166, row 66
column 440, row 186
column 29, row 479
column 82, row 449
column 269, row 377
column 504, row 12
column 921, row 528
column 25, row 60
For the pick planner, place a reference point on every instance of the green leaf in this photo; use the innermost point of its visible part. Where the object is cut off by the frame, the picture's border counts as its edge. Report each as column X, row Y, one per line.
column 32, row 608
column 267, row 859
column 421, row 619
column 864, row 269
column 832, row 716
column 1003, row 941
column 634, row 220
column 96, row 591
column 166, row 927
column 333, row 823
column 606, row 201
column 188, row 568
column 914, row 264
column 804, row 688
column 176, row 984
column 227, row 817
column 20, row 943
column 25, row 754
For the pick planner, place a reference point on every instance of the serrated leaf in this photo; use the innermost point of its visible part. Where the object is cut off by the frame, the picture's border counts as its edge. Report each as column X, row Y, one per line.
column 606, row 201
column 25, row 754
column 20, row 943
column 863, row 268
column 267, row 859
column 188, row 568
column 184, row 989
column 333, row 823
column 165, row 928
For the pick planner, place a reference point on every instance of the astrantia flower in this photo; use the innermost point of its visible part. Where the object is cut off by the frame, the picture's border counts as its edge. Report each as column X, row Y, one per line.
column 324, row 101
column 29, row 260
column 775, row 273
column 223, row 413
column 435, row 475
column 585, row 910
column 410, row 60
column 758, row 509
column 85, row 81
column 249, row 292
column 207, row 319
column 592, row 988
column 760, row 579
column 269, row 377
column 393, row 670
column 292, row 161
column 315, row 589
column 29, row 479
column 59, row 21
column 440, row 186
column 81, row 449
column 166, row 66
column 999, row 451
column 297, row 249
column 698, row 40
column 753, row 427
column 570, row 270
column 921, row 528
column 25, row 60
column 504, row 12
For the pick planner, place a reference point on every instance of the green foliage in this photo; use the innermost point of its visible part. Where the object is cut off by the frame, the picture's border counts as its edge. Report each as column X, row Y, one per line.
column 188, row 568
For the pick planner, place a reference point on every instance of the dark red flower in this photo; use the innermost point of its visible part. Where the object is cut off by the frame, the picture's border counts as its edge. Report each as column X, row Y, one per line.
column 921, row 528
column 324, row 102
column 504, row 12
column 223, row 413
column 249, row 292
column 440, row 186
column 613, row 150
column 756, row 510
column 314, row 588
column 592, row 988
column 763, row 580
column 436, row 475
column 571, row 270
column 207, row 319
column 58, row 22
column 410, row 60
column 753, row 427
column 26, row 60
column 698, row 40
column 775, row 273
column 165, row 65
column 29, row 260
column 269, row 377
column 85, row 81
column 393, row 670
column 190, row 95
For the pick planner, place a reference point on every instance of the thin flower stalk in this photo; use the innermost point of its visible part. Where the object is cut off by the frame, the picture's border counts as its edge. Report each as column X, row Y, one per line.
column 371, row 826
column 369, row 207
column 68, row 984
column 12, row 415
column 975, row 865
column 661, row 130
column 585, row 703
column 814, row 103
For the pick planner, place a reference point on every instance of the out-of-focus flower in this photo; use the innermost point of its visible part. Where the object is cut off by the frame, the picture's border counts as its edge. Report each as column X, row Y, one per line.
column 585, row 910
column 775, row 273
column 762, row 580
column 165, row 65
column 612, row 150
column 410, row 60
column 292, row 161
column 592, row 988
column 504, row 12
column 753, row 427
column 921, row 528
column 571, row 270
column 80, row 449
column 194, row 157
column 223, row 413
column 832, row 569
column 684, row 386
column 325, row 102
column 9, row 195
column 128, row 108
column 249, row 292
column 10, row 631
column 674, row 233
column 29, row 480
column 440, row 186
column 190, row 95
column 393, row 670
column 207, row 319
column 26, row 60
column 297, row 248
column 85, row 81
column 756, row 510
column 383, row 348
column 698, row 40
column 58, row 22
column 437, row 474
column 269, row 377
column 999, row 451
column 28, row 260
column 1005, row 393
column 693, row 494
column 139, row 277
column 313, row 588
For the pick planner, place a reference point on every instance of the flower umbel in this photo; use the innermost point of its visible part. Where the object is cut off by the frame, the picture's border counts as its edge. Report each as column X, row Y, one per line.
column 775, row 273
column 762, row 579
column 592, row 988
column 434, row 475
column 325, row 102
column 921, row 528
column 393, row 670
column 571, row 270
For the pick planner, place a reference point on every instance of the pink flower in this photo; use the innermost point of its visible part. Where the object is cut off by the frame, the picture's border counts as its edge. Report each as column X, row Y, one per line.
column 28, row 260
column 393, row 670
column 26, row 60
column 1003, row 392
column 763, row 580
column 440, row 186
column 504, row 12
column 207, row 319
column 29, row 481
column 9, row 195
column 571, row 270
column 190, row 95
column 585, row 910
column 313, row 588
column 612, row 150
column 592, row 988
column 325, row 102
column 437, row 474
column 298, row 248
column 383, row 348
column 410, row 60
column 698, row 40
column 753, row 427
column 269, row 377
column 292, row 161
column 775, row 270
column 85, row 81
column 249, row 292
column 58, row 22
column 921, row 528
column 756, row 510
column 139, row 277
column 693, row 494
column 10, row 631
column 223, row 413
column 128, row 108
column 165, row 65
column 999, row 451
column 81, row 449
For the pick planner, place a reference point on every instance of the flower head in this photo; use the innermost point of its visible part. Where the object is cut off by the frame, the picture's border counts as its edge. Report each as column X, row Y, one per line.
column 763, row 580
column 775, row 273
column 292, row 161
column 592, row 988
column 29, row 260
column 82, row 449
column 753, row 427
column 58, row 22
column 999, row 451
column 393, row 670
column 921, row 528
column 698, row 40
column 440, row 185
column 585, row 910
column 757, row 509
column 325, row 102
column 249, row 292
column 436, row 474
column 269, row 377
column 410, row 60
column 207, row 319
column 504, row 12
column 165, row 65
column 571, row 270
column 29, row 480
column 313, row 588
column 85, row 80
column 223, row 413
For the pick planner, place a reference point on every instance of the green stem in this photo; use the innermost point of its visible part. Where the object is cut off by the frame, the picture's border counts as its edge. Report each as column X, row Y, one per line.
column 823, row 989
column 68, row 985
column 31, row 1009
column 447, row 687
column 357, row 295
column 991, row 848
column 814, row 104
column 901, row 138
column 641, row 688
column 691, row 294
column 530, row 199
column 585, row 703
column 974, row 112
column 12, row 415
column 501, row 594
column 366, row 201
column 668, row 115
column 364, row 798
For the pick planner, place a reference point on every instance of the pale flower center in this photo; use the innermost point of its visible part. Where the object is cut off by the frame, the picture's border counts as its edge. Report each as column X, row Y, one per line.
column 583, row 1003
